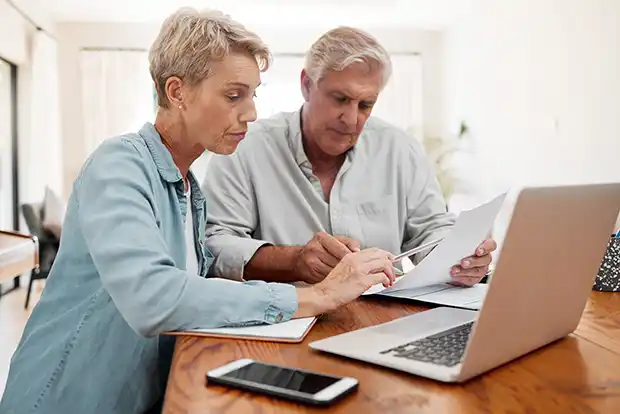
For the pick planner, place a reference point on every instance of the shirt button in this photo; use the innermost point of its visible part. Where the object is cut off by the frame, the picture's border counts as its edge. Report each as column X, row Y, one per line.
column 279, row 317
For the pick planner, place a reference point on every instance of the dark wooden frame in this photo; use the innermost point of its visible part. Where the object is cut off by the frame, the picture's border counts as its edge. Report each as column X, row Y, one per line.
column 14, row 158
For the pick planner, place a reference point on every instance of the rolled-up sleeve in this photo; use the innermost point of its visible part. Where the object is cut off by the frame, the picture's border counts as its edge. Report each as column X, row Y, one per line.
column 232, row 216
column 427, row 215
column 116, row 215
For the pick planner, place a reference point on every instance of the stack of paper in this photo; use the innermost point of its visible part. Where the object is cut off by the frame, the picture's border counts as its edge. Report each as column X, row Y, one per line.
column 291, row 331
column 428, row 280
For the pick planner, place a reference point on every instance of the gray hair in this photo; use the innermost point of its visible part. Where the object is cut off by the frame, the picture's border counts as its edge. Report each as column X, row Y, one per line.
column 189, row 40
column 343, row 46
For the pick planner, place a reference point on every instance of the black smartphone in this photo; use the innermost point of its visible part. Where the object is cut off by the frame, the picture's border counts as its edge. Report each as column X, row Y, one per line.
column 277, row 381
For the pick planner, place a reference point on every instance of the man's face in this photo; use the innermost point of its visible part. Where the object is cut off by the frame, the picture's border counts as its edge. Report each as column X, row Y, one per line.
column 338, row 106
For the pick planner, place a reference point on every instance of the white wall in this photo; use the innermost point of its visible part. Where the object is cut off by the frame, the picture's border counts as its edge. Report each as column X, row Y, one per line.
column 73, row 36
column 12, row 35
column 537, row 82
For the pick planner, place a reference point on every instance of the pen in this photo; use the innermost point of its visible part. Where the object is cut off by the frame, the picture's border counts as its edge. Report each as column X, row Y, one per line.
column 618, row 234
column 418, row 249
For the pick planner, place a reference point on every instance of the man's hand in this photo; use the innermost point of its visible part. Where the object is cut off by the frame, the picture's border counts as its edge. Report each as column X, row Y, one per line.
column 473, row 268
column 321, row 254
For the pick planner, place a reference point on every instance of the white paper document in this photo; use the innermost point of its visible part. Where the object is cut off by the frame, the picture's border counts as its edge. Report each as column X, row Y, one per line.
column 472, row 227
column 293, row 329
column 445, row 295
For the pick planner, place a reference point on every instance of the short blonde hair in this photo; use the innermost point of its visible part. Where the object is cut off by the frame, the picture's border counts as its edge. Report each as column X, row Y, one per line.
column 343, row 46
column 189, row 40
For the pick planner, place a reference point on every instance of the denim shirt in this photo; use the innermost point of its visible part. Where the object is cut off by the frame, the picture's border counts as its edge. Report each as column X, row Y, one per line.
column 93, row 343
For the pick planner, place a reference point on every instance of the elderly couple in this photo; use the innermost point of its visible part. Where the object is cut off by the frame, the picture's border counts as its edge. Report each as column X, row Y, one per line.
column 323, row 195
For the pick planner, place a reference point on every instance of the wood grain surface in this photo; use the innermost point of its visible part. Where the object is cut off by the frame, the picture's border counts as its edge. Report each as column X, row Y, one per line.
column 578, row 374
column 600, row 322
column 9, row 241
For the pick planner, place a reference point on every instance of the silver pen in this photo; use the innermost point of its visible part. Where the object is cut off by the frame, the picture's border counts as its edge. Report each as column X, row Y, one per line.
column 418, row 249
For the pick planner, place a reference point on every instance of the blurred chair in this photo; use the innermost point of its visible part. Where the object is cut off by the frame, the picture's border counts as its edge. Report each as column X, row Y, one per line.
column 48, row 244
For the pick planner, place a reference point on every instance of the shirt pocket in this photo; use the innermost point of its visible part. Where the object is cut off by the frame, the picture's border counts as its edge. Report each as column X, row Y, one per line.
column 377, row 218
column 374, row 207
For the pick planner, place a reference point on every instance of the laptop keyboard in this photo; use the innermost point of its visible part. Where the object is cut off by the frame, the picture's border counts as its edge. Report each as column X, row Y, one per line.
column 445, row 348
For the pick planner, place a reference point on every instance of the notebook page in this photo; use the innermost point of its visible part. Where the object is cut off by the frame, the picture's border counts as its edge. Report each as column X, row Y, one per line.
column 293, row 329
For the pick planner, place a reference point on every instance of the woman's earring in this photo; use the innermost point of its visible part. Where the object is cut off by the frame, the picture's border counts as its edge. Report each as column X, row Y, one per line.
column 180, row 106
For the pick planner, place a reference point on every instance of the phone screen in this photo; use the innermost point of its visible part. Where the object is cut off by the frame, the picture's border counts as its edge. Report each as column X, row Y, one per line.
column 286, row 378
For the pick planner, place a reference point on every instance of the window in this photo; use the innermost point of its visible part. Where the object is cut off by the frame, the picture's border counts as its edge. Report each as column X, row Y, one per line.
column 9, row 216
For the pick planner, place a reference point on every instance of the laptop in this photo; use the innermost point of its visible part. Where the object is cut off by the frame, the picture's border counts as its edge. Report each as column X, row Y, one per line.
column 551, row 254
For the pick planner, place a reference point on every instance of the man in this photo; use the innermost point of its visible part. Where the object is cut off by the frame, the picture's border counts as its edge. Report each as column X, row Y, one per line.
column 308, row 187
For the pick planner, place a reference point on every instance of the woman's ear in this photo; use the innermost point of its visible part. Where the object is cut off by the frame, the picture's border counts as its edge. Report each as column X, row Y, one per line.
column 306, row 84
column 174, row 92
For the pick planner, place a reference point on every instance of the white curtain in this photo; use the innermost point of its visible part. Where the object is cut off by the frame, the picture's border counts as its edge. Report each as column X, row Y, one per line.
column 117, row 94
column 400, row 102
column 41, row 154
column 6, row 146
column 280, row 86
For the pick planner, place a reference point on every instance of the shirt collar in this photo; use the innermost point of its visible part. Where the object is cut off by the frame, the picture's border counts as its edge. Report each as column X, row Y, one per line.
column 296, row 141
column 297, row 146
column 165, row 164
column 162, row 157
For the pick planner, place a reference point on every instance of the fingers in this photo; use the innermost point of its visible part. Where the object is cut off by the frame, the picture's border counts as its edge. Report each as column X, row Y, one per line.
column 384, row 269
column 326, row 258
column 486, row 247
column 372, row 254
column 468, row 277
column 470, row 272
column 387, row 270
column 333, row 246
column 352, row 244
column 386, row 282
column 475, row 261
column 375, row 264
column 379, row 277
column 317, row 266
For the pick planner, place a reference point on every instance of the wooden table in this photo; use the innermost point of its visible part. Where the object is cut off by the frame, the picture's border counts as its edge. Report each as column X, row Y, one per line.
column 18, row 254
column 578, row 374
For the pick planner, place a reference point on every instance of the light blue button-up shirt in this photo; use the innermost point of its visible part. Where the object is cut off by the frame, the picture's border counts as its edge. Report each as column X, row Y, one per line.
column 92, row 344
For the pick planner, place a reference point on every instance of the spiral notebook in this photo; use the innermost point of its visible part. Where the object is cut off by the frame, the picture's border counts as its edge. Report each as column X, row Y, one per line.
column 292, row 331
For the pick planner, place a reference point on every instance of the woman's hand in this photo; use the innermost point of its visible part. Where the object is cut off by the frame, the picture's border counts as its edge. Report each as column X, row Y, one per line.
column 354, row 275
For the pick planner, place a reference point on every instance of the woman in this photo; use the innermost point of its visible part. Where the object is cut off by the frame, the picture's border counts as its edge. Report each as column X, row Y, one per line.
column 132, row 261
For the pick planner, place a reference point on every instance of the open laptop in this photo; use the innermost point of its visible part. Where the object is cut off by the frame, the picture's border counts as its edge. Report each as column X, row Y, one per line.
column 553, row 248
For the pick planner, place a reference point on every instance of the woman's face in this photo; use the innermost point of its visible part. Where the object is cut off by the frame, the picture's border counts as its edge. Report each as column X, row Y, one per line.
column 220, row 107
